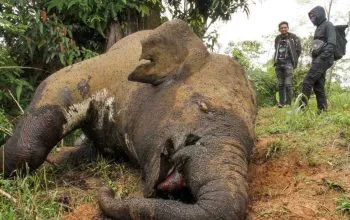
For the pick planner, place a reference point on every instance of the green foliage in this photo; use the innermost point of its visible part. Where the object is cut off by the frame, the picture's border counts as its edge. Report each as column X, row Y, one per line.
column 211, row 39
column 97, row 14
column 264, row 81
column 343, row 204
column 5, row 127
column 246, row 53
column 45, row 37
column 265, row 86
column 30, row 193
column 202, row 14
column 50, row 34
column 11, row 81
column 298, row 77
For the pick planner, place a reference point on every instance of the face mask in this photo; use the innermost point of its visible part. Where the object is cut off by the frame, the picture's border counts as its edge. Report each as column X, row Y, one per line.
column 313, row 20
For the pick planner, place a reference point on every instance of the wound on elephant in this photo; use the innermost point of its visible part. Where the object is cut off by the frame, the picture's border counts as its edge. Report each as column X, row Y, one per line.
column 83, row 87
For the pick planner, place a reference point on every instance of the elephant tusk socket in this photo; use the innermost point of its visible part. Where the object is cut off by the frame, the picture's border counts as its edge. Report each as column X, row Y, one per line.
column 175, row 181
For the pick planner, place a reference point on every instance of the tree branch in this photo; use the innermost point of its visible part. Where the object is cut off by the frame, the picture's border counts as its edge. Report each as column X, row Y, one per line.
column 19, row 106
column 5, row 130
column 22, row 67
column 8, row 196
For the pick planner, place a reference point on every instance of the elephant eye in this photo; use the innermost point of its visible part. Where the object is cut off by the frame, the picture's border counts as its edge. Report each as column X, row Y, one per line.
column 169, row 147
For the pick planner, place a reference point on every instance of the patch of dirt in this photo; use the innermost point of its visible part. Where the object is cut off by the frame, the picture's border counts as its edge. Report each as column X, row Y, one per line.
column 85, row 212
column 82, row 185
column 286, row 187
column 77, row 183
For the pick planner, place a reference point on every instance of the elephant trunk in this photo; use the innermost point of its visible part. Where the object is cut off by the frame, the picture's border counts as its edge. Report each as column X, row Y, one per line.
column 37, row 133
column 216, row 175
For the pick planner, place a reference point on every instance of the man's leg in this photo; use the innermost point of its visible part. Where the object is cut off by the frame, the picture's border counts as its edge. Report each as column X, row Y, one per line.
column 320, row 93
column 289, row 84
column 282, row 92
column 319, row 86
column 314, row 74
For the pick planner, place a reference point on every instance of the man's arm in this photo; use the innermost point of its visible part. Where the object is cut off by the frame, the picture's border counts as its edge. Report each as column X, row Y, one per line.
column 276, row 41
column 328, row 50
column 297, row 45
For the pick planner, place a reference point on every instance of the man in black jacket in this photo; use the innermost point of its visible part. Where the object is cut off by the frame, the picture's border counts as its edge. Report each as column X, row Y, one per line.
column 287, row 52
column 322, row 58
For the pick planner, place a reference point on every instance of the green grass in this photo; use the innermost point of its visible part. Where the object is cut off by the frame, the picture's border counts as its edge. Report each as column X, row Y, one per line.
column 38, row 195
column 306, row 131
column 31, row 195
column 343, row 204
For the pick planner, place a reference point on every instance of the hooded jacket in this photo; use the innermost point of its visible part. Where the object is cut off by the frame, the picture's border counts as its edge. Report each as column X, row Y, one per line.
column 294, row 46
column 325, row 31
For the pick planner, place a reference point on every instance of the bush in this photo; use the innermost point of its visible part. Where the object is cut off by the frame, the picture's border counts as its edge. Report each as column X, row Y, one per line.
column 11, row 81
column 5, row 127
column 265, row 87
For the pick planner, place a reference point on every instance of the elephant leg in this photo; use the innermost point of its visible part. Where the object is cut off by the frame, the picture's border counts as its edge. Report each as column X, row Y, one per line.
column 216, row 175
column 46, row 123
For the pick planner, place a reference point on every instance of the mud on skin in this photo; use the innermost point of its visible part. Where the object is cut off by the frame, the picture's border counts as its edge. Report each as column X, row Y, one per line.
column 184, row 116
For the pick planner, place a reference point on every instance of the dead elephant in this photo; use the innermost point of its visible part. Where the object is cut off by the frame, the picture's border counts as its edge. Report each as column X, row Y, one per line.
column 190, row 120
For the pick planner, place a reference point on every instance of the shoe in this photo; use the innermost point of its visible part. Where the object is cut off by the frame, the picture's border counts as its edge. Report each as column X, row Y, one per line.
column 320, row 111
column 279, row 105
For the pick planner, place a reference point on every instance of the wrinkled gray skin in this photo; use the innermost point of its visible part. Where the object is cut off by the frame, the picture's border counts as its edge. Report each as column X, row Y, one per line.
column 193, row 112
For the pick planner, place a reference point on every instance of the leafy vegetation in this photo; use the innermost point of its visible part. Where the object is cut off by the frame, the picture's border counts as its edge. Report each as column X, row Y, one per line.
column 40, row 37
column 202, row 14
column 343, row 204
column 264, row 81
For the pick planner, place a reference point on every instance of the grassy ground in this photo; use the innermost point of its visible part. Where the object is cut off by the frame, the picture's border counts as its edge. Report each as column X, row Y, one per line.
column 299, row 170
column 300, row 166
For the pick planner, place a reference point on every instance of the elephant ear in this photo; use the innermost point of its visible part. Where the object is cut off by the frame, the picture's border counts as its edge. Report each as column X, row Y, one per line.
column 166, row 51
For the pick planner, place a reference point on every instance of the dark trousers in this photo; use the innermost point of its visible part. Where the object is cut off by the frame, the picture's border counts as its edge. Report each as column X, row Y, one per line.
column 284, row 74
column 315, row 79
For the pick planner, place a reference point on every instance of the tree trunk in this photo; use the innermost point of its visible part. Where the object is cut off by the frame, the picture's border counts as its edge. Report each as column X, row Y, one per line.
column 329, row 10
column 114, row 34
column 134, row 22
column 331, row 70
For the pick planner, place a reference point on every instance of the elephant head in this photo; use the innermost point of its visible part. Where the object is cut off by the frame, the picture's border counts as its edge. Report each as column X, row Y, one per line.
column 170, row 50
column 198, row 127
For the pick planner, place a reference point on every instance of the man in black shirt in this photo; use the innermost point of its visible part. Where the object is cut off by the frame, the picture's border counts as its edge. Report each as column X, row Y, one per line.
column 322, row 58
column 287, row 52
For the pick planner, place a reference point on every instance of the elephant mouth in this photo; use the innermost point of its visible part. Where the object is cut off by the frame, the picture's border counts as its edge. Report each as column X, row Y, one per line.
column 146, row 73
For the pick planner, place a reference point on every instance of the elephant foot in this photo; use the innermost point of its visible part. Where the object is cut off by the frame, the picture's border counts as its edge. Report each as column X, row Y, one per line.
column 82, row 152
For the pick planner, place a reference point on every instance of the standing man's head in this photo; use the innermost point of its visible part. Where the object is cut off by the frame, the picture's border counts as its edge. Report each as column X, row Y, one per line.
column 283, row 27
column 317, row 15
